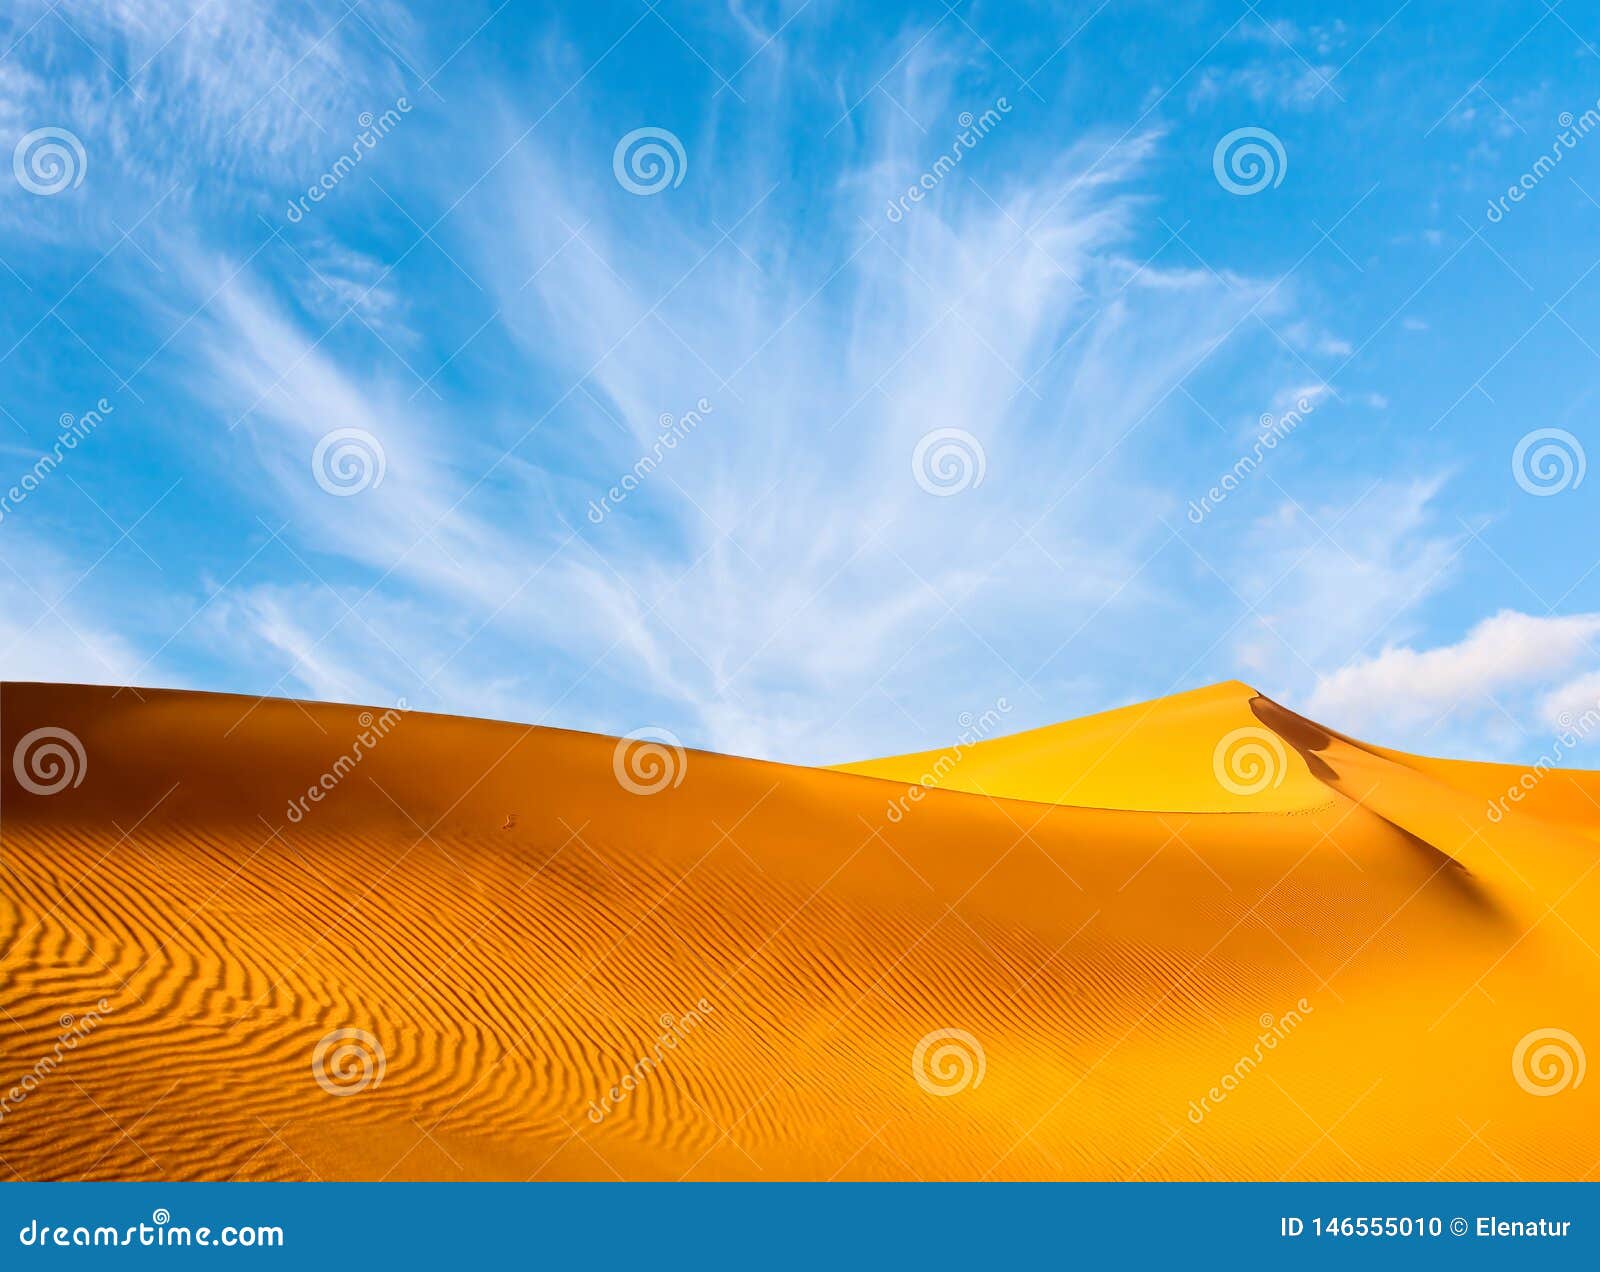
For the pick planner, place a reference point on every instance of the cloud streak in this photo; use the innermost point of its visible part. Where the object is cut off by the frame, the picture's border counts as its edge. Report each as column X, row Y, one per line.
column 519, row 330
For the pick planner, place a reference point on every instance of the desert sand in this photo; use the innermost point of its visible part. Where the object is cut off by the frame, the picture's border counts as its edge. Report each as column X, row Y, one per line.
column 1199, row 938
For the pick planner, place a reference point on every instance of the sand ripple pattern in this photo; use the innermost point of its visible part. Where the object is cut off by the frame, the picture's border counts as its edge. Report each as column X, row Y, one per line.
column 480, row 940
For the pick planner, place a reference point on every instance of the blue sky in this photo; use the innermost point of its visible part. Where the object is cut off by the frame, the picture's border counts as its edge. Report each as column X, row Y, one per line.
column 1088, row 304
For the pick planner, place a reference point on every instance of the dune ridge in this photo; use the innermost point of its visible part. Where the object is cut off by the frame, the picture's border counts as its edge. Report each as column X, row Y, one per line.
column 1043, row 959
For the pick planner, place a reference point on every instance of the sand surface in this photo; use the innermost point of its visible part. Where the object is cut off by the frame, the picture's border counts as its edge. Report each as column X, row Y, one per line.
column 1199, row 938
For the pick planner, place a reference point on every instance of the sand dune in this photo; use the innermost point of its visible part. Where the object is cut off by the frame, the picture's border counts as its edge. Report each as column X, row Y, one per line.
column 1200, row 938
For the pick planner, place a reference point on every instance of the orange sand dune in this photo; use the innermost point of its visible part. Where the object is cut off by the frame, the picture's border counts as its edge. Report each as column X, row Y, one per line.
column 1200, row 938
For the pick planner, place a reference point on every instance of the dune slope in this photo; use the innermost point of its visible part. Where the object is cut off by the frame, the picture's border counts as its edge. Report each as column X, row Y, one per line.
column 1202, row 938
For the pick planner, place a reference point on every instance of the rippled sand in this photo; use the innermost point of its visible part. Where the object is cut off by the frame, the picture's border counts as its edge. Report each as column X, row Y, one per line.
column 1200, row 938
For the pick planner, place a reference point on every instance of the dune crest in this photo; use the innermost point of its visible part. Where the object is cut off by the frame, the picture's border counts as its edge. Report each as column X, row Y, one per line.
column 1159, row 756
column 1199, row 938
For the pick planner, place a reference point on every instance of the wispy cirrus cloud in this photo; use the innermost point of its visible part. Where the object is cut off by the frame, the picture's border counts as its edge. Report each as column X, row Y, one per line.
column 1075, row 311
column 185, row 100
column 47, row 630
column 1320, row 584
column 786, row 571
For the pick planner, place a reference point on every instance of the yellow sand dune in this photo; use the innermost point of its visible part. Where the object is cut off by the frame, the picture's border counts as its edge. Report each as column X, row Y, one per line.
column 1200, row 938
column 1154, row 756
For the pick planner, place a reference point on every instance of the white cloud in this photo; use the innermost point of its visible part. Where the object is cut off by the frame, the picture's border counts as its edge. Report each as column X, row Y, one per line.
column 1572, row 701
column 339, row 283
column 1289, row 84
column 779, row 577
column 190, row 98
column 1327, row 580
column 786, row 564
column 47, row 633
column 782, row 566
column 1490, row 670
column 1282, row 34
